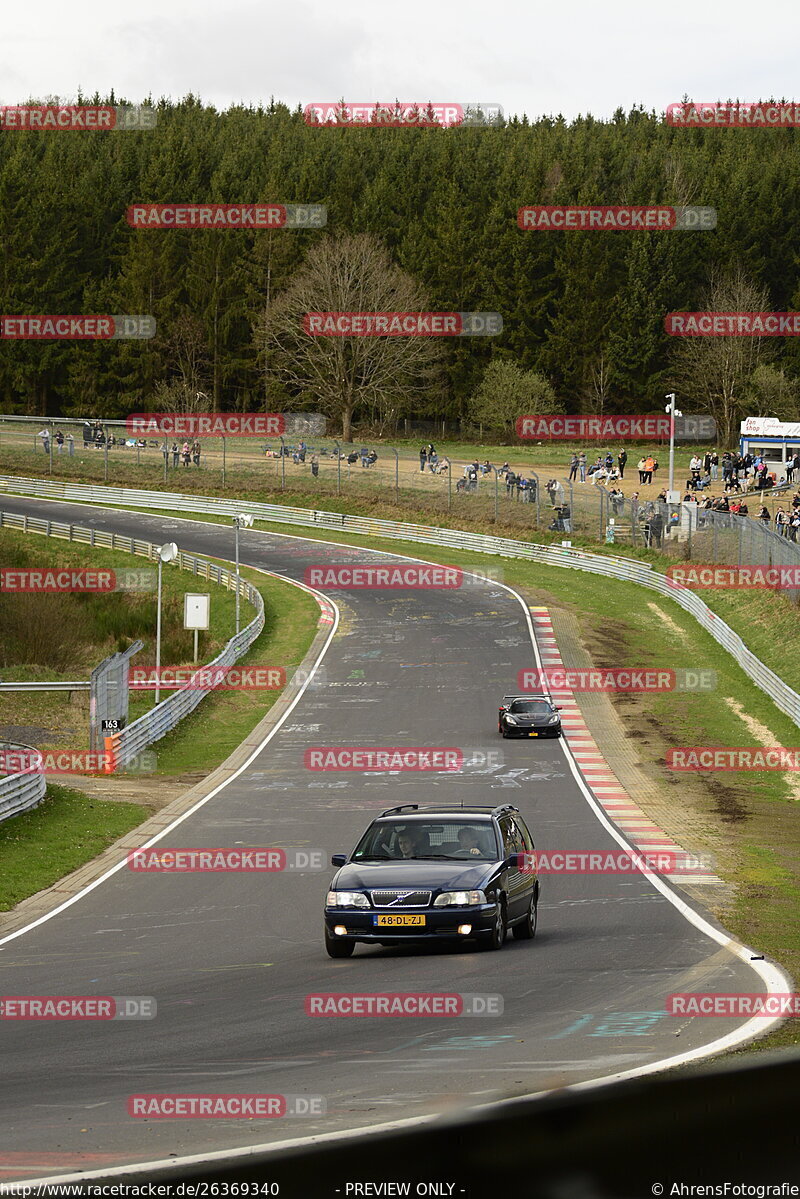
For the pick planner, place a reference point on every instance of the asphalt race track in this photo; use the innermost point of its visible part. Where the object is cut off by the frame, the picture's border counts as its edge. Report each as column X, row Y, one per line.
column 230, row 957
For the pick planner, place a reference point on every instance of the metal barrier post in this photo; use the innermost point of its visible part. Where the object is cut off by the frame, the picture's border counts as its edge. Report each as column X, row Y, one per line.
column 496, row 477
column 223, row 462
column 105, row 455
column 283, row 465
column 396, row 474
column 338, row 468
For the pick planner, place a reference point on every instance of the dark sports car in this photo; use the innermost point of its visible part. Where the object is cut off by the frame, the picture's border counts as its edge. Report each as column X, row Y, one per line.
column 528, row 716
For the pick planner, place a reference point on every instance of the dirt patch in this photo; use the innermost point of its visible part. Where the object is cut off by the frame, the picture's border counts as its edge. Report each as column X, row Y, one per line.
column 153, row 793
column 665, row 618
column 766, row 738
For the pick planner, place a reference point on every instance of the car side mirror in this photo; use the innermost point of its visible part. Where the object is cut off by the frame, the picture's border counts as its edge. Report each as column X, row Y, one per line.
column 558, row 708
column 338, row 859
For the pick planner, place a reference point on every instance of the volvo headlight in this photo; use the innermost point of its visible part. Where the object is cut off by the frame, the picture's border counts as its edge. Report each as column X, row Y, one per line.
column 346, row 899
column 459, row 899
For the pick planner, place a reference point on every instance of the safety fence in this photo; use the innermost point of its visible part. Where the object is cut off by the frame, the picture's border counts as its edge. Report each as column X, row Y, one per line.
column 125, row 746
column 23, row 790
column 625, row 569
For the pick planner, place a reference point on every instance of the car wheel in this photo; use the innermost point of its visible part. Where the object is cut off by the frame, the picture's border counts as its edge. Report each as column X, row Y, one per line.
column 526, row 929
column 337, row 948
column 498, row 935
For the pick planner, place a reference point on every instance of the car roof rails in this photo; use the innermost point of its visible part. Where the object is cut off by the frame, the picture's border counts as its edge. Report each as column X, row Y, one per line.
column 406, row 807
column 503, row 808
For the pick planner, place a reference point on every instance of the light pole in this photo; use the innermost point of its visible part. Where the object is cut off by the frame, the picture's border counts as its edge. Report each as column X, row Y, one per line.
column 242, row 521
column 672, row 412
column 166, row 553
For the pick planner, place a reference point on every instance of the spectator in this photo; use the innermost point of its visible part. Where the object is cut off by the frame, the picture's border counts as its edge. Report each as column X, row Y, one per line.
column 743, row 509
column 461, row 484
column 372, row 458
column 764, row 514
column 71, row 445
column 780, row 522
column 617, row 500
column 486, row 467
column 175, row 453
column 511, row 479
column 423, row 458
column 582, row 466
column 732, row 483
column 622, row 458
column 641, row 468
column 433, row 462
column 443, row 466
column 794, row 525
column 714, row 464
column 608, row 461
column 364, row 455
column 59, row 441
column 87, row 433
column 196, row 453
column 186, row 453
column 503, row 470
column 315, row 465
column 573, row 467
column 649, row 466
column 45, row 436
column 430, row 451
column 789, row 469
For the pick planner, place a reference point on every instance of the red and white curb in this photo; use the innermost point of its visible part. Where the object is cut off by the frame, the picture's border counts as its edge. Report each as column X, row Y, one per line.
column 612, row 797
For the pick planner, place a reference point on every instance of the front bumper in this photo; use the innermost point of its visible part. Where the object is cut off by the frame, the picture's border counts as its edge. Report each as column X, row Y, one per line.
column 439, row 923
column 544, row 730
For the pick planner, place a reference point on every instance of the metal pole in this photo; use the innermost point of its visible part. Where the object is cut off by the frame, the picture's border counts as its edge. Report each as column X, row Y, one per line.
column 283, row 465
column 396, row 475
column 449, row 487
column 338, row 468
column 236, row 525
column 223, row 462
column 195, row 643
column 496, row 477
column 105, row 456
column 166, row 458
column 158, row 635
column 50, row 445
column 672, row 441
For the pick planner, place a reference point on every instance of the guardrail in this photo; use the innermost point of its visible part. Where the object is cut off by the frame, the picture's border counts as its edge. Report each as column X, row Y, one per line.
column 160, row 720
column 22, row 791
column 625, row 569
column 57, row 686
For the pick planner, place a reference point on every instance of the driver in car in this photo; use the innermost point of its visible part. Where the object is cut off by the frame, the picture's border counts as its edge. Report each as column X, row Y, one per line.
column 468, row 843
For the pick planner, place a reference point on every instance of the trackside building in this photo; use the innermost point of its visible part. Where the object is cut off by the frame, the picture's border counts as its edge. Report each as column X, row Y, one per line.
column 777, row 441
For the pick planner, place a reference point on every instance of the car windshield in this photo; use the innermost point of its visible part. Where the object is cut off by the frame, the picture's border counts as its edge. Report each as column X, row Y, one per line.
column 531, row 707
column 392, row 840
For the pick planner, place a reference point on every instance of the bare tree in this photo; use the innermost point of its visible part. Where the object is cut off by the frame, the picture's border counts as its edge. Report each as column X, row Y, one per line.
column 715, row 372
column 187, row 357
column 598, row 387
column 343, row 376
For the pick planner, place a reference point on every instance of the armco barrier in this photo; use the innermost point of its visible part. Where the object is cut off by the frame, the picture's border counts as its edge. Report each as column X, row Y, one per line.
column 625, row 569
column 164, row 716
column 20, row 792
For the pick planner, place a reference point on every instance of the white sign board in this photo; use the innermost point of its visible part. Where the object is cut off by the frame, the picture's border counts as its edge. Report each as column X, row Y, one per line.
column 196, row 611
